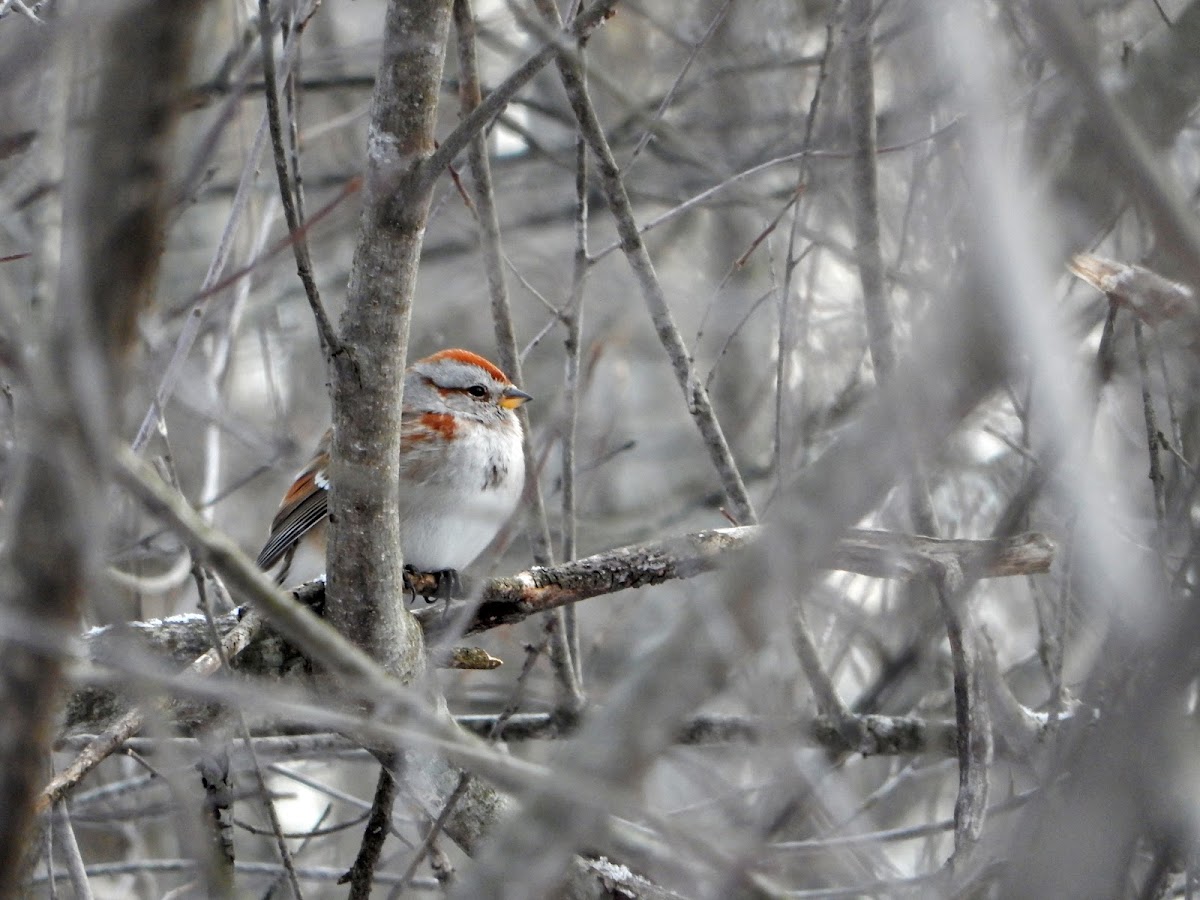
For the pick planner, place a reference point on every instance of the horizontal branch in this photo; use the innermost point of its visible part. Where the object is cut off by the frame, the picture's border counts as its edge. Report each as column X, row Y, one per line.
column 870, row 735
column 180, row 640
column 879, row 554
column 865, row 734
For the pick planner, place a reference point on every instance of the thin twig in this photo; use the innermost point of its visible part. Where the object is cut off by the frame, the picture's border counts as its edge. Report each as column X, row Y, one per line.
column 485, row 202
column 292, row 100
column 285, row 855
column 107, row 743
column 325, row 332
column 1157, row 479
column 306, row 838
column 737, row 177
column 861, row 68
column 361, row 874
column 210, row 285
column 787, row 341
column 69, row 847
column 669, row 96
column 455, row 142
column 573, row 346
column 695, row 396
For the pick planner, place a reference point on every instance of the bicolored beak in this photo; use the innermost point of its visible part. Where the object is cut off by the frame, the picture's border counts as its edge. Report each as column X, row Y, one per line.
column 513, row 397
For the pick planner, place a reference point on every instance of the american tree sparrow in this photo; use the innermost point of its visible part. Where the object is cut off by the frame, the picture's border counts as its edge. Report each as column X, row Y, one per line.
column 462, row 469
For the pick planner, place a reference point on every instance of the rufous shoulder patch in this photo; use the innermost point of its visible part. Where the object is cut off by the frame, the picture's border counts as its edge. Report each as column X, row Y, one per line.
column 440, row 424
column 471, row 359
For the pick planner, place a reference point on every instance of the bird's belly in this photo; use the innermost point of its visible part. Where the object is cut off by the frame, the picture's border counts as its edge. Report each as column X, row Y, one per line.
column 448, row 529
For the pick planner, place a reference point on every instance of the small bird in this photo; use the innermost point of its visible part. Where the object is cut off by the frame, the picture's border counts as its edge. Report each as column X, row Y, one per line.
column 462, row 469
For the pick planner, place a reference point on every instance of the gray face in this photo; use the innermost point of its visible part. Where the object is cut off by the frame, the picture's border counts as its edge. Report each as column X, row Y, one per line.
column 451, row 386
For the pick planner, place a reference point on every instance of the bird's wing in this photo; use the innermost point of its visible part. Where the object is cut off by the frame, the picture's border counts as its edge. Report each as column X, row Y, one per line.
column 304, row 505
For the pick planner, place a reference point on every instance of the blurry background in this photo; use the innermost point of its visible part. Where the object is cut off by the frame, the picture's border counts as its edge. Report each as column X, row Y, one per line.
column 732, row 124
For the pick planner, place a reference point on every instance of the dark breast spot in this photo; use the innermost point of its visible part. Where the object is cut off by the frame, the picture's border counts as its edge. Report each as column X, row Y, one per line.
column 494, row 476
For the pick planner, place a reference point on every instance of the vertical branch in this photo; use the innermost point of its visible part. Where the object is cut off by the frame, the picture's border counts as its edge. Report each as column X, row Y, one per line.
column 786, row 344
column 971, row 715
column 292, row 211
column 1151, row 419
column 974, row 732
column 361, row 875
column 114, row 207
column 65, row 835
column 573, row 319
column 365, row 572
column 861, row 79
column 506, row 340
column 485, row 201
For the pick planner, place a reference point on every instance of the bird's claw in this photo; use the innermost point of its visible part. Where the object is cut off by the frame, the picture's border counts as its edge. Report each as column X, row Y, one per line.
column 433, row 586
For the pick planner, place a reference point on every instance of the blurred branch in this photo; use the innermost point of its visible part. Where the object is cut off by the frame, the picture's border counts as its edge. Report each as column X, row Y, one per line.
column 104, row 745
column 208, row 288
column 182, row 639
column 1163, row 81
column 113, row 222
column 860, row 69
column 619, row 743
column 361, row 676
column 64, row 835
column 1118, row 126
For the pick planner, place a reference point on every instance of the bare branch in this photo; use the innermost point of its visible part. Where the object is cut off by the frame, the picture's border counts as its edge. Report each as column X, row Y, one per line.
column 861, row 72
column 291, row 201
column 112, row 232
column 499, row 96
column 106, row 744
column 368, row 370
column 695, row 395
column 877, row 554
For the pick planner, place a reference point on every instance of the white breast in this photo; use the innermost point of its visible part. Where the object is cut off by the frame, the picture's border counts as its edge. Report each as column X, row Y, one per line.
column 449, row 518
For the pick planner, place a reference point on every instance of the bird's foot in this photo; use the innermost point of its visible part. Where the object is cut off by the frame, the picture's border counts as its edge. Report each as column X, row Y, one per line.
column 433, row 586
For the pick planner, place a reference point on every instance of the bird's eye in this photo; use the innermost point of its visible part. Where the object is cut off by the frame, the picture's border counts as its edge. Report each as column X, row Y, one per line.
column 477, row 390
